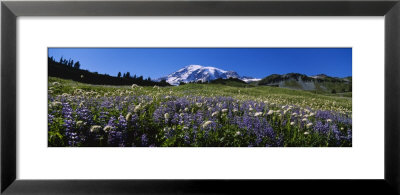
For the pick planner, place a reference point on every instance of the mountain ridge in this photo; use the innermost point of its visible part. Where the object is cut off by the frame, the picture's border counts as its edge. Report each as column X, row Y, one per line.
column 320, row 82
column 196, row 73
column 209, row 74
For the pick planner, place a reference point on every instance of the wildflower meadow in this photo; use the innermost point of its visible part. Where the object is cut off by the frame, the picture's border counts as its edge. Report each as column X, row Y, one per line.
column 194, row 115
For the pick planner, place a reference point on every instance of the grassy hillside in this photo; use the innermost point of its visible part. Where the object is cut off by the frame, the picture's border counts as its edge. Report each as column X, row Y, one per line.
column 319, row 84
column 233, row 82
column 281, row 96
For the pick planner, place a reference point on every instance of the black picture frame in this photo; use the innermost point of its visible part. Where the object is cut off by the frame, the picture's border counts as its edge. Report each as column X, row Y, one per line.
column 10, row 10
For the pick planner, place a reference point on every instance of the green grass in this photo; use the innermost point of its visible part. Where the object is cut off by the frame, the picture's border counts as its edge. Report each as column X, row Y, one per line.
column 281, row 96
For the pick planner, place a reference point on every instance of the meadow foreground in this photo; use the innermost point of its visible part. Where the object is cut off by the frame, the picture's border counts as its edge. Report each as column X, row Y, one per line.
column 194, row 115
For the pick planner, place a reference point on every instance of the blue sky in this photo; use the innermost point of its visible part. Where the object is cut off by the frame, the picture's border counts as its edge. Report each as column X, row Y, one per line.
column 254, row 62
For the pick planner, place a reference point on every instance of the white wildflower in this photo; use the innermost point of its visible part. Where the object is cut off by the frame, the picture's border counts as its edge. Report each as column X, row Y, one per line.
column 95, row 128
column 224, row 110
column 107, row 128
column 186, row 109
column 237, row 133
column 215, row 113
column 137, row 109
column 309, row 125
column 166, row 116
column 134, row 86
column 128, row 116
column 205, row 124
column 292, row 123
column 329, row 120
column 304, row 119
column 258, row 114
column 56, row 103
column 79, row 123
column 56, row 83
column 78, row 91
column 306, row 133
column 270, row 112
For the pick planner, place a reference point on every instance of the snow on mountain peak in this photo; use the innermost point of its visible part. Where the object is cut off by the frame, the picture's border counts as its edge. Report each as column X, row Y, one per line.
column 194, row 73
column 193, row 67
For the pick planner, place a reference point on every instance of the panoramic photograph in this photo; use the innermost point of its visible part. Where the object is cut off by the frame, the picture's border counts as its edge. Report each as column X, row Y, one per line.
column 199, row 97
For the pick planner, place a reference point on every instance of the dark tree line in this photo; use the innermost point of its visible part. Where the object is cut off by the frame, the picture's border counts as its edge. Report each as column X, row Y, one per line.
column 69, row 63
column 128, row 76
column 68, row 69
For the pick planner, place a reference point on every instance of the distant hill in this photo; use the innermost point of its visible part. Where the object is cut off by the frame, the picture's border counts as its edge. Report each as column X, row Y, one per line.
column 321, row 82
column 65, row 71
column 234, row 82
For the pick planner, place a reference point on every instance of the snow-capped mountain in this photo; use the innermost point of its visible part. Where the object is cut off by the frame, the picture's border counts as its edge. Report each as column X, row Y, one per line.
column 198, row 73
column 248, row 79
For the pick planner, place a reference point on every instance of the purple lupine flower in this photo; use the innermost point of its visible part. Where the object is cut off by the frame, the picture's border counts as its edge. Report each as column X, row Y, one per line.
column 69, row 124
column 321, row 128
column 50, row 119
column 122, row 129
column 84, row 114
column 186, row 139
column 144, row 140
column 114, row 135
